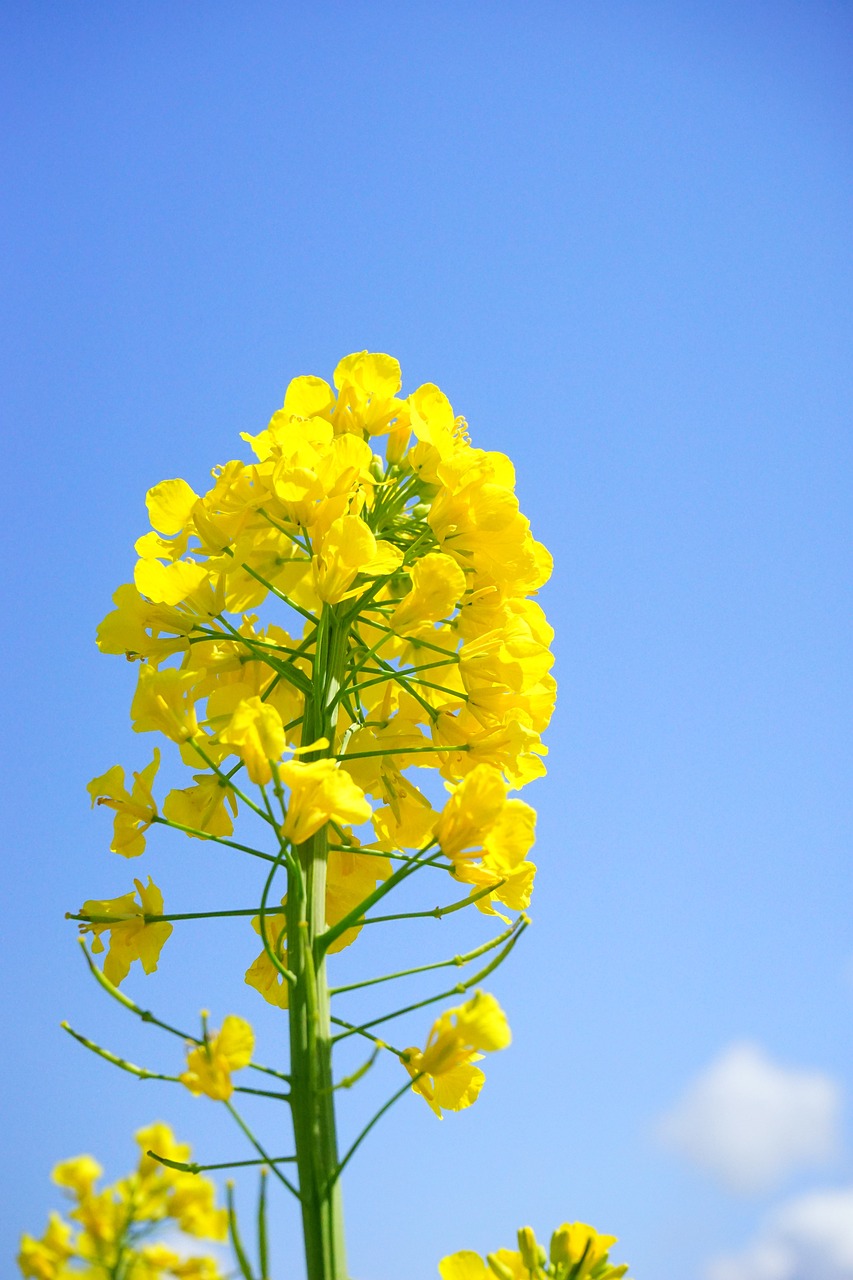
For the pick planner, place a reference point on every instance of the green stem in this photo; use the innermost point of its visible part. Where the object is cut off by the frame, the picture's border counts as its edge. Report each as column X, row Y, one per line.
column 145, row 1015
column 458, row 961
column 415, row 643
column 437, row 912
column 205, row 835
column 263, row 1245
column 355, row 916
column 358, row 1031
column 399, row 751
column 141, row 1073
column 279, row 594
column 379, row 1114
column 178, row 915
column 348, row 1081
column 194, row 1168
column 458, row 989
column 310, row 1028
column 393, row 857
column 234, row 1232
column 267, row 1159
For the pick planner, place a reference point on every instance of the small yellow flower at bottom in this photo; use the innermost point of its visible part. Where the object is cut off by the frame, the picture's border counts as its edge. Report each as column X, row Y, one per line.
column 44, row 1259
column 577, row 1252
column 209, row 1065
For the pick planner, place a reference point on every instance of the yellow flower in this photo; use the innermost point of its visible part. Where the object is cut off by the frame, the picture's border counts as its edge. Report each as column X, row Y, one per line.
column 135, row 810
column 170, row 505
column 134, row 627
column 367, row 384
column 320, row 792
column 262, row 974
column 45, row 1259
column 578, row 1250
column 168, row 584
column 164, row 702
column 510, row 657
column 203, row 806
column 158, row 1137
column 256, row 732
column 407, row 821
column 209, row 1065
column 197, row 1268
column 487, row 837
column 347, row 549
column 78, row 1175
column 132, row 937
column 504, row 1264
column 192, row 1203
column 474, row 807
column 444, row 1074
column 463, row 1266
column 438, row 584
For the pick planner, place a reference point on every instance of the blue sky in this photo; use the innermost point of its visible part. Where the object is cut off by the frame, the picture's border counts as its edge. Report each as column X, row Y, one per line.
column 618, row 236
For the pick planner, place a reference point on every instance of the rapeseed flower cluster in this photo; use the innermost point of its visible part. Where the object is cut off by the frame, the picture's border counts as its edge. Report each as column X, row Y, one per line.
column 339, row 641
column 107, row 1231
column 423, row 570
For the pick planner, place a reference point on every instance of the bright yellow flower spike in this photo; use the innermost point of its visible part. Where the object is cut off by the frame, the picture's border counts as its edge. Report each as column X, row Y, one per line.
column 209, row 1066
column 132, row 937
column 395, row 553
column 111, row 1232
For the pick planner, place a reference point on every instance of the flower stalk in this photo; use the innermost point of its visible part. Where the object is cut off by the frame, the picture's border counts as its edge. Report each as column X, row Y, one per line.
column 403, row 647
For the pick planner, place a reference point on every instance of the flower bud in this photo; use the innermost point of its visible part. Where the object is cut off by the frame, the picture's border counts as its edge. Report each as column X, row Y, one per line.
column 532, row 1253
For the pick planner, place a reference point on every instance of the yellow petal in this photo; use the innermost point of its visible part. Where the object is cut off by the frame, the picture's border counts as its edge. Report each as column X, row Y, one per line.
column 169, row 505
column 236, row 1042
column 168, row 583
column 463, row 1266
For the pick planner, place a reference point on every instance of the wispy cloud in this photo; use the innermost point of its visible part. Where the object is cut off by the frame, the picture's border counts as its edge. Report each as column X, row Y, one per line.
column 751, row 1122
column 809, row 1238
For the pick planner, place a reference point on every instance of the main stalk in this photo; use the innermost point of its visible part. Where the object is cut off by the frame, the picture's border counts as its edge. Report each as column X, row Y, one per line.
column 311, row 1092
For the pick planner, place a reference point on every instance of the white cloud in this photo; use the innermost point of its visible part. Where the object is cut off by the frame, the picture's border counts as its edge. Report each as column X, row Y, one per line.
column 750, row 1122
column 809, row 1238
